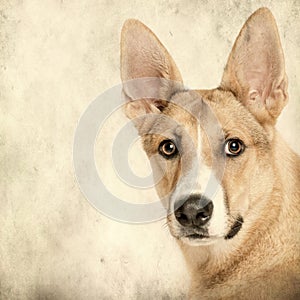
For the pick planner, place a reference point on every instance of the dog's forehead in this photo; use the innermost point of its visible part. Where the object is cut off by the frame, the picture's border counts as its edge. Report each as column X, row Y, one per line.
column 212, row 108
column 191, row 110
column 186, row 105
column 181, row 117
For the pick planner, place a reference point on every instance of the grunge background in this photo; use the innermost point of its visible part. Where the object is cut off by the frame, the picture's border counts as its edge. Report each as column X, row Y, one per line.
column 56, row 57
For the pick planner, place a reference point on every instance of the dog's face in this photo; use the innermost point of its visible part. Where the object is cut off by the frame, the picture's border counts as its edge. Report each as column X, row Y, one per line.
column 210, row 150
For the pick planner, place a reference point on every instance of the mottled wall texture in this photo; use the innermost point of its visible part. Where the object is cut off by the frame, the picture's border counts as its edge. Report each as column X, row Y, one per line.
column 56, row 57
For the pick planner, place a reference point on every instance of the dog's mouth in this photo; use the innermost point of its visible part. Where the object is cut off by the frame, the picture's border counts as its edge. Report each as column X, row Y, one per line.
column 199, row 239
column 197, row 236
column 235, row 228
column 204, row 236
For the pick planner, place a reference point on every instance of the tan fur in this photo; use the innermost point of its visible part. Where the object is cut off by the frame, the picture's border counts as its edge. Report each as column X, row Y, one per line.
column 262, row 261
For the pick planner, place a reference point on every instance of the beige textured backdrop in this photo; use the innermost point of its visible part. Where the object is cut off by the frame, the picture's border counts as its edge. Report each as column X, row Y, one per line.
column 56, row 57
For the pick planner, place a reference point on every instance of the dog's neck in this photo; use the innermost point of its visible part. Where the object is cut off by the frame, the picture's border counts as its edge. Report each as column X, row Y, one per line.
column 218, row 261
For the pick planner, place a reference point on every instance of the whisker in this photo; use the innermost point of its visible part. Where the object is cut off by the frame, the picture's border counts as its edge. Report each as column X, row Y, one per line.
column 235, row 219
column 165, row 225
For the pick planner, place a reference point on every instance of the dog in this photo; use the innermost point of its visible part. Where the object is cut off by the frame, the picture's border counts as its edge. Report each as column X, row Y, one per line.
column 229, row 182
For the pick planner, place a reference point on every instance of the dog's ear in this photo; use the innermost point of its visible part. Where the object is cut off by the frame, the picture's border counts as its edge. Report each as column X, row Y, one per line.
column 255, row 70
column 148, row 72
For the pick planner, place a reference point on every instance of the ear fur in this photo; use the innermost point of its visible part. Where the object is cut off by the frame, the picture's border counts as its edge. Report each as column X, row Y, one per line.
column 255, row 70
column 148, row 72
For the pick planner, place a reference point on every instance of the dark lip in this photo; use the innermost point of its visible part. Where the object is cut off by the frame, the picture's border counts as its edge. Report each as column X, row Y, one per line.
column 197, row 236
column 235, row 228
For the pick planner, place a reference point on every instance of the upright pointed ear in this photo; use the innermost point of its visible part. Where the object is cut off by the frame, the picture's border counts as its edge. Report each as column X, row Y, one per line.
column 148, row 72
column 255, row 70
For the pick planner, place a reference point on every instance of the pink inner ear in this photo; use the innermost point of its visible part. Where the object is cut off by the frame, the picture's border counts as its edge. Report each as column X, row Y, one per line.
column 140, row 88
column 259, row 82
column 257, row 67
column 262, row 75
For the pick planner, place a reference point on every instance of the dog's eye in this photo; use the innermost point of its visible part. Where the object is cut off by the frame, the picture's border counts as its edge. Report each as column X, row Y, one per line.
column 234, row 147
column 167, row 149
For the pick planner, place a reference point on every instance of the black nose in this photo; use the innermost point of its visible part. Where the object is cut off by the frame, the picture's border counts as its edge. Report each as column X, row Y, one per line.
column 196, row 211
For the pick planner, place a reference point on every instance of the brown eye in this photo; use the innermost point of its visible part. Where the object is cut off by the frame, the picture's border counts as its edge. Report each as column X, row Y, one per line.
column 234, row 147
column 167, row 149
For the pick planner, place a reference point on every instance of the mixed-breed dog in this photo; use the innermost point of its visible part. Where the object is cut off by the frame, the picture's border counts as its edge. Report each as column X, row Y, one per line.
column 230, row 183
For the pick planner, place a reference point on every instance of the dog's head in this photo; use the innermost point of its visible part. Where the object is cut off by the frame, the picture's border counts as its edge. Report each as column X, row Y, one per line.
column 210, row 150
